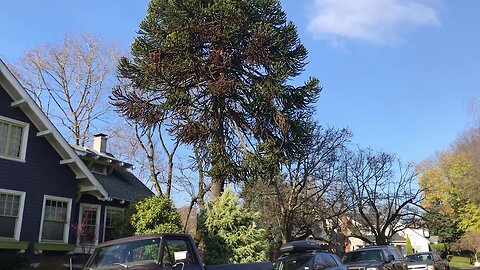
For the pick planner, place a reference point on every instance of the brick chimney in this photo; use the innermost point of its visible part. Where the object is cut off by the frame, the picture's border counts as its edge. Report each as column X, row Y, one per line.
column 100, row 143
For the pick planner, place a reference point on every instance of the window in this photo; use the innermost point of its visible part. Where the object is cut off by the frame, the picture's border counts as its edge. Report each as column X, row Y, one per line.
column 88, row 225
column 329, row 261
column 112, row 218
column 11, row 213
column 55, row 219
column 128, row 254
column 13, row 139
column 173, row 246
column 98, row 168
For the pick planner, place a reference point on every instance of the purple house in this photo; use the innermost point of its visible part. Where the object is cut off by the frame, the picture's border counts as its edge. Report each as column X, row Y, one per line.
column 54, row 197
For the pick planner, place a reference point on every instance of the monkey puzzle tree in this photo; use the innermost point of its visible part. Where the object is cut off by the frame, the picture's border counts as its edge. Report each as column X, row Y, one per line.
column 217, row 73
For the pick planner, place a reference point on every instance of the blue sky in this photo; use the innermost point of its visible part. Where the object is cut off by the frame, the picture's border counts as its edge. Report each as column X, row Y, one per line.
column 398, row 73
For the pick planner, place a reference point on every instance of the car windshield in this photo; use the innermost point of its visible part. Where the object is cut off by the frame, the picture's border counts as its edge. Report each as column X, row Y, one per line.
column 364, row 255
column 425, row 257
column 125, row 254
column 295, row 263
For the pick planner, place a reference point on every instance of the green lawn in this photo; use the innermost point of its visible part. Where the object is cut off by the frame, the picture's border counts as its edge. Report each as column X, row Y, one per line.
column 457, row 262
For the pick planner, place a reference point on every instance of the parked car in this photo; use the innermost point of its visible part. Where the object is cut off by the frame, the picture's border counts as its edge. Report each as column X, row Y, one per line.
column 375, row 258
column 426, row 261
column 169, row 251
column 301, row 255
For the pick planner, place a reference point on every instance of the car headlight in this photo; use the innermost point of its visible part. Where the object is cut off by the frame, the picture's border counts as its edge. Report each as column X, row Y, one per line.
column 376, row 268
column 430, row 267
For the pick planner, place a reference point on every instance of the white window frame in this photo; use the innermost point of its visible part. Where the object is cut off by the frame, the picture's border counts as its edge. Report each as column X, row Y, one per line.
column 105, row 218
column 97, row 223
column 21, row 206
column 23, row 145
column 66, row 227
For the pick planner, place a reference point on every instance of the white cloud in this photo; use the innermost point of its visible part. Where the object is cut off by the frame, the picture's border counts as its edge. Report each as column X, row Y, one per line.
column 374, row 21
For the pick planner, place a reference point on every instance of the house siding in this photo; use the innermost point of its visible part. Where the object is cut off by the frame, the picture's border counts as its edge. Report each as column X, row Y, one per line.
column 41, row 174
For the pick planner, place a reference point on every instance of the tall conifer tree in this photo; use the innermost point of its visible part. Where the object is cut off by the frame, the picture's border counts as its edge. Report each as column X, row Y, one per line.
column 218, row 74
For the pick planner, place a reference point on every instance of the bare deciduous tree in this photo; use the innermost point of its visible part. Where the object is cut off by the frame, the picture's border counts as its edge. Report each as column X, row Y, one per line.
column 195, row 186
column 145, row 146
column 70, row 81
column 298, row 194
column 385, row 197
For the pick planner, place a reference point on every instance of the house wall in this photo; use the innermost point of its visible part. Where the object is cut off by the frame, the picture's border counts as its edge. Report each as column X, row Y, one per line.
column 41, row 174
column 419, row 242
column 355, row 243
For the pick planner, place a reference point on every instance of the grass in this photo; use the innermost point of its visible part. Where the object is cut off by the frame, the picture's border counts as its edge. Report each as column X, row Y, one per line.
column 458, row 262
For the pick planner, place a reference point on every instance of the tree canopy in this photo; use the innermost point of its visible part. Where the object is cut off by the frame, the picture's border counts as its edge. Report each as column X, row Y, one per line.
column 451, row 184
column 70, row 81
column 384, row 196
column 218, row 72
column 155, row 214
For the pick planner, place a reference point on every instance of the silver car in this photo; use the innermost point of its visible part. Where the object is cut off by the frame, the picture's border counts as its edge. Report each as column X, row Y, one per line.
column 426, row 261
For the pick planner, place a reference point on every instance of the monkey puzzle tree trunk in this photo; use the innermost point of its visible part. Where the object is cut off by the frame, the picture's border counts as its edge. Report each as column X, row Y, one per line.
column 219, row 168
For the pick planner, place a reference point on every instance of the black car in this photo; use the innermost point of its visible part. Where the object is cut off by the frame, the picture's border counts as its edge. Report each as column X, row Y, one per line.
column 307, row 255
column 375, row 258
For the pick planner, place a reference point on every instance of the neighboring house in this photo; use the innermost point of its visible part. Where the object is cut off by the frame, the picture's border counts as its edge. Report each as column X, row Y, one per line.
column 419, row 238
column 54, row 197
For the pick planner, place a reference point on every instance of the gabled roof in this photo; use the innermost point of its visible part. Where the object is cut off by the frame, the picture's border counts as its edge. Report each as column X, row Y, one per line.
column 123, row 185
column 119, row 182
column 21, row 99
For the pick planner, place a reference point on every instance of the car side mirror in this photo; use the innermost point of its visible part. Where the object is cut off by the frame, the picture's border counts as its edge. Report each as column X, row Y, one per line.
column 390, row 258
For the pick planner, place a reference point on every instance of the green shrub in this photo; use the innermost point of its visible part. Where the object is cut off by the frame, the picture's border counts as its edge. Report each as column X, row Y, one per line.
column 230, row 234
column 155, row 214
column 409, row 246
column 13, row 262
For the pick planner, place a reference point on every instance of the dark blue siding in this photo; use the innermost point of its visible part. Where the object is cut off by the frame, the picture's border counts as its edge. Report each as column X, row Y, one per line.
column 41, row 174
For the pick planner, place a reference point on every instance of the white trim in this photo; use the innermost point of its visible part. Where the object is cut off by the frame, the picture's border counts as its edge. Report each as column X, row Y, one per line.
column 16, row 91
column 87, row 188
column 66, row 161
column 97, row 223
column 18, row 102
column 23, row 143
column 66, row 226
column 105, row 218
column 43, row 133
column 21, row 206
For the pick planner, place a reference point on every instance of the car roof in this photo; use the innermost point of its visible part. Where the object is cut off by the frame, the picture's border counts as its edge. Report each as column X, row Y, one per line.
column 143, row 237
column 421, row 253
column 301, row 254
column 372, row 248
